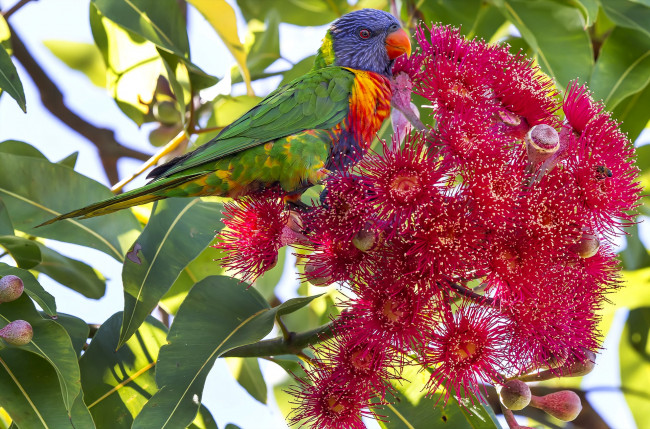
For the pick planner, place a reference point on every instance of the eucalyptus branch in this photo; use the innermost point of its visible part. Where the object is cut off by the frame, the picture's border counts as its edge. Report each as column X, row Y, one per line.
column 15, row 8
column 281, row 346
column 110, row 150
column 471, row 294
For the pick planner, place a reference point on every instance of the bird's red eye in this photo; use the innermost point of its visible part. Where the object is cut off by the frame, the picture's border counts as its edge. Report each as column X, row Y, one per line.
column 364, row 33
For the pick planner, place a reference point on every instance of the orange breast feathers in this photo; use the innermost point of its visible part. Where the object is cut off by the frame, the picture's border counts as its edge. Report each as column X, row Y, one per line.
column 369, row 105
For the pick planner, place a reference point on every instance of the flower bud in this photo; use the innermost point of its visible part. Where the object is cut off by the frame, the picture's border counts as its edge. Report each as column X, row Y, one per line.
column 368, row 238
column 564, row 405
column 11, row 287
column 581, row 366
column 17, row 333
column 588, row 244
column 317, row 275
column 515, row 395
column 542, row 141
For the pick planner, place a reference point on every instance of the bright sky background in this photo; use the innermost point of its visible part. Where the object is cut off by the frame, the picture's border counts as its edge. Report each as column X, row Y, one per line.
column 68, row 20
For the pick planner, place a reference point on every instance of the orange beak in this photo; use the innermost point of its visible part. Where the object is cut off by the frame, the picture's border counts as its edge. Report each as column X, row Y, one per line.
column 398, row 43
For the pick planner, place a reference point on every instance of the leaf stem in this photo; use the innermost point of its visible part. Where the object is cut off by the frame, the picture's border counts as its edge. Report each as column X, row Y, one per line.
column 294, row 344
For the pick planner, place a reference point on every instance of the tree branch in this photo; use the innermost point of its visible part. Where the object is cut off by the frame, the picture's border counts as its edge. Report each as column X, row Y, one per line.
column 279, row 346
column 15, row 8
column 110, row 151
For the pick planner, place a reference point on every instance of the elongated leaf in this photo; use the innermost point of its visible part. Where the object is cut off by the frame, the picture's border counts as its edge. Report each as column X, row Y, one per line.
column 633, row 114
column 9, row 80
column 81, row 417
column 50, row 190
column 29, row 391
column 205, row 265
column 132, row 65
column 474, row 17
column 178, row 230
column 556, row 34
column 303, row 12
column 25, row 252
column 634, row 356
column 118, row 383
column 32, row 288
column 84, row 57
column 265, row 49
column 161, row 23
column 413, row 409
column 221, row 17
column 237, row 316
column 203, row 420
column 51, row 342
column 6, row 227
column 76, row 328
column 17, row 147
column 72, row 273
column 629, row 14
column 623, row 66
column 70, row 160
column 248, row 374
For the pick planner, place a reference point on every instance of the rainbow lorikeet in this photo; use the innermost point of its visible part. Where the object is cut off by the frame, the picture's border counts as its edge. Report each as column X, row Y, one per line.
column 299, row 132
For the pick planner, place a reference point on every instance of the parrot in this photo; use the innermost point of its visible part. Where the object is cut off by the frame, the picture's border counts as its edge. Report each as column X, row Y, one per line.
column 297, row 134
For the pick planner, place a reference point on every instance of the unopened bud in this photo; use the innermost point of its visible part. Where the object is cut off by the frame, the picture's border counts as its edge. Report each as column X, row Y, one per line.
column 588, row 244
column 17, row 333
column 317, row 275
column 564, row 405
column 11, row 287
column 515, row 395
column 582, row 366
column 542, row 141
column 368, row 238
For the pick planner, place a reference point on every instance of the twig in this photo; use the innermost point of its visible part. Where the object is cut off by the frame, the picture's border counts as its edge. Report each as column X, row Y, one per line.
column 279, row 346
column 110, row 151
column 169, row 147
column 15, row 8
column 412, row 118
column 471, row 294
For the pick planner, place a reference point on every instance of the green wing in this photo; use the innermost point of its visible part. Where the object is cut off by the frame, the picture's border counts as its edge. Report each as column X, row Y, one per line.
column 317, row 100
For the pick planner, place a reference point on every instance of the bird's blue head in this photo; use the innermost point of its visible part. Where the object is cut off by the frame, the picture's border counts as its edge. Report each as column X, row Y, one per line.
column 366, row 39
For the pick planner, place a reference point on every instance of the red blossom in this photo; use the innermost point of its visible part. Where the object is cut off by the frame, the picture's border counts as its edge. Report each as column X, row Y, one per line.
column 255, row 228
column 466, row 350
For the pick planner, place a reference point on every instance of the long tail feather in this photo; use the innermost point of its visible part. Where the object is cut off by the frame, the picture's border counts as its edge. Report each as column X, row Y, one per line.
column 128, row 199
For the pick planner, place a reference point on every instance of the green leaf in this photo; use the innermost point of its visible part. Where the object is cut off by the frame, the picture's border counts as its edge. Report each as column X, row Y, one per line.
column 412, row 409
column 623, row 66
column 629, row 14
column 5, row 34
column 76, row 328
column 205, row 265
column 635, row 255
column 556, row 34
column 17, row 147
column 81, row 417
column 35, row 190
column 6, row 227
column 301, row 12
column 32, row 288
column 25, row 252
column 221, row 17
column 72, row 273
column 249, row 376
column 634, row 359
column 633, row 113
column 236, row 315
column 178, row 230
column 203, row 420
column 265, row 48
column 132, row 65
column 9, row 80
column 474, row 17
column 160, row 22
column 51, row 342
column 70, row 160
column 117, row 383
column 29, row 391
column 84, row 57
column 589, row 9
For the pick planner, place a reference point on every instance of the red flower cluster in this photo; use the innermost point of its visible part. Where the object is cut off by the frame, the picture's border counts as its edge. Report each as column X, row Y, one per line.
column 472, row 249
